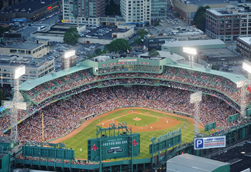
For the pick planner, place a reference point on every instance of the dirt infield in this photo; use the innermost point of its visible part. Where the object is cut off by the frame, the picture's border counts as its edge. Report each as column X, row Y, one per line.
column 161, row 124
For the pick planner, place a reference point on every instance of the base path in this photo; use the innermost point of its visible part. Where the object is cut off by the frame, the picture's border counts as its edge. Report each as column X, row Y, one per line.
column 151, row 127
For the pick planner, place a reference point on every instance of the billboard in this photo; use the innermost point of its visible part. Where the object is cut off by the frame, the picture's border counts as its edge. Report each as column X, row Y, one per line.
column 209, row 142
column 165, row 141
column 19, row 20
column 113, row 147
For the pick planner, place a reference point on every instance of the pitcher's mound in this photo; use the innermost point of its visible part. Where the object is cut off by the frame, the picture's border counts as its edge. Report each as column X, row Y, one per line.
column 136, row 119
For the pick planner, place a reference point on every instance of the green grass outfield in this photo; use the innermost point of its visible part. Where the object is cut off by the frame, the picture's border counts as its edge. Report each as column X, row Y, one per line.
column 79, row 141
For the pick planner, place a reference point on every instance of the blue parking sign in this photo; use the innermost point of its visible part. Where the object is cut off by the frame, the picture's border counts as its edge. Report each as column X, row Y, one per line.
column 209, row 142
column 198, row 143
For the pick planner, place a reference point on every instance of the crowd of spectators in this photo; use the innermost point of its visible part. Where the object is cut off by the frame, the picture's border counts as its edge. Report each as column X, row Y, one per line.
column 63, row 116
column 208, row 81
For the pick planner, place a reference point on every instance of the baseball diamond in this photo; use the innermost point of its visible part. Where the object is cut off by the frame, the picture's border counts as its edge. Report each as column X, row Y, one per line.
column 156, row 126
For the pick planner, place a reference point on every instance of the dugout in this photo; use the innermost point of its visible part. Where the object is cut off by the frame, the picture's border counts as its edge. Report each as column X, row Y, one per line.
column 192, row 163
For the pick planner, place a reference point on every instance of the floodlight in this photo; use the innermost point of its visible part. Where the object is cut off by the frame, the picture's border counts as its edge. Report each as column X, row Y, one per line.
column 196, row 97
column 19, row 71
column 70, row 53
column 246, row 65
column 188, row 50
column 241, row 83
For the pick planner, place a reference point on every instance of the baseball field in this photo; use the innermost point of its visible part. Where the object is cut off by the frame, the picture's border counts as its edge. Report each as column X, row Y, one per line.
column 149, row 123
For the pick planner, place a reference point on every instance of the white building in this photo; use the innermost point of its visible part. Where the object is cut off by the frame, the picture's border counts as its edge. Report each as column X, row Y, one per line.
column 35, row 68
column 136, row 11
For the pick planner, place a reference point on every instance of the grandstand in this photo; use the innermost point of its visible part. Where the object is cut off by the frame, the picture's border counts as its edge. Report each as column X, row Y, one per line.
column 92, row 88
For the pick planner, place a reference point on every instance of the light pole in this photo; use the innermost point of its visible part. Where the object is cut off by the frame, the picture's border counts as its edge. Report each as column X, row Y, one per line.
column 246, row 65
column 243, row 84
column 191, row 53
column 16, row 103
column 196, row 99
column 67, row 56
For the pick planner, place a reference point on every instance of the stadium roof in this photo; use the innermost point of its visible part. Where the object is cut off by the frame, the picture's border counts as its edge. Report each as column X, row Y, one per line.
column 196, row 162
column 194, row 43
column 30, row 84
column 233, row 77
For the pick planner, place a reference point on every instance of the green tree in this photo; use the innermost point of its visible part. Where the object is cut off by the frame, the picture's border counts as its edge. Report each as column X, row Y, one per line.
column 118, row 46
column 4, row 29
column 156, row 24
column 97, row 51
column 153, row 53
column 200, row 18
column 142, row 33
column 147, row 24
column 71, row 36
column 112, row 9
column 137, row 41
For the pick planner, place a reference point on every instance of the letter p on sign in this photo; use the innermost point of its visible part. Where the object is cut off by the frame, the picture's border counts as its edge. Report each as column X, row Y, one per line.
column 198, row 143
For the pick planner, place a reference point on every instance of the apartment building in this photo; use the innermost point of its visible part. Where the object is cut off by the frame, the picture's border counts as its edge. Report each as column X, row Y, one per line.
column 158, row 9
column 228, row 23
column 136, row 11
column 86, row 11
column 188, row 8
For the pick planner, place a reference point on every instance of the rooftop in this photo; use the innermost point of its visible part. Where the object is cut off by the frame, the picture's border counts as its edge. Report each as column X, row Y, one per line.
column 202, row 2
column 194, row 43
column 15, row 60
column 22, row 45
column 245, row 39
column 220, row 52
column 172, row 56
column 29, row 6
column 229, row 10
column 196, row 162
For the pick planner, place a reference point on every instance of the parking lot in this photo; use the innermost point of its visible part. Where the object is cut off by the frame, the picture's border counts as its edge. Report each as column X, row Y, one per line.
column 82, row 52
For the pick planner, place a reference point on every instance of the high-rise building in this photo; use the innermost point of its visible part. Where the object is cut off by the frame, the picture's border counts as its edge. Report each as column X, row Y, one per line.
column 228, row 23
column 136, row 11
column 158, row 9
column 86, row 11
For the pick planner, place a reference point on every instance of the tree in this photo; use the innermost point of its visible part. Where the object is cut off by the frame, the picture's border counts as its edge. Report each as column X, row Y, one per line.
column 97, row 51
column 153, row 53
column 156, row 24
column 71, row 36
column 200, row 18
column 112, row 9
column 142, row 33
column 4, row 29
column 137, row 41
column 147, row 24
column 118, row 46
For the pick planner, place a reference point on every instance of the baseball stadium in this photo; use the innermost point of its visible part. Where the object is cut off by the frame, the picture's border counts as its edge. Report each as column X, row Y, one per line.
column 123, row 114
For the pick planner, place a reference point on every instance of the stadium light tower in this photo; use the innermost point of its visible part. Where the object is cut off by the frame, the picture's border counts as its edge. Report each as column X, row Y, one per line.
column 246, row 65
column 16, row 103
column 191, row 53
column 242, row 84
column 196, row 99
column 67, row 56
